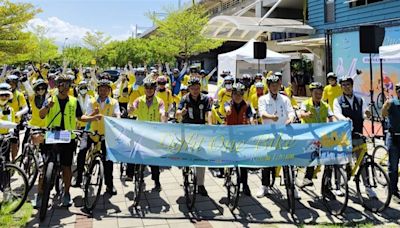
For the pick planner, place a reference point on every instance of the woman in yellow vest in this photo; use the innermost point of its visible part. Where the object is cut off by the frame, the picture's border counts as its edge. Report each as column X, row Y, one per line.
column 149, row 108
column 102, row 105
column 37, row 96
column 254, row 99
column 331, row 91
column 314, row 110
column 62, row 112
column 6, row 112
column 164, row 93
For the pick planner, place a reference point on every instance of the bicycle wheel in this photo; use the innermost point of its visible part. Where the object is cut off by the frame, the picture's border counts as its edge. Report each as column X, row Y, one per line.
column 138, row 185
column 48, row 181
column 59, row 183
column 190, row 186
column 289, row 184
column 380, row 155
column 376, row 194
column 379, row 103
column 232, row 184
column 28, row 162
column 335, row 190
column 93, row 184
column 14, row 188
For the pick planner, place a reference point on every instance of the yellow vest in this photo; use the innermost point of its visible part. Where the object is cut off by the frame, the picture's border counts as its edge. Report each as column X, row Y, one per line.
column 145, row 113
column 10, row 117
column 223, row 97
column 107, row 110
column 135, row 93
column 121, row 97
column 317, row 117
column 166, row 96
column 330, row 93
column 53, row 117
column 35, row 121
column 17, row 103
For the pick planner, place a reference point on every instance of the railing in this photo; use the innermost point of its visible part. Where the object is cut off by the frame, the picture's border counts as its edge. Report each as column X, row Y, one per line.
column 226, row 5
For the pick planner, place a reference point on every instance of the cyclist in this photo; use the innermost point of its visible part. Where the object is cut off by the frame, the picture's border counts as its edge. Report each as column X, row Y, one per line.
column 176, row 78
column 137, row 88
column 353, row 108
column 61, row 112
column 148, row 108
column 204, row 79
column 258, row 78
column 84, row 97
column 102, row 105
column 273, row 108
column 7, row 112
column 164, row 93
column 332, row 90
column 195, row 108
column 391, row 110
column 314, row 110
column 123, row 93
column 246, row 81
column 238, row 112
column 254, row 99
column 20, row 107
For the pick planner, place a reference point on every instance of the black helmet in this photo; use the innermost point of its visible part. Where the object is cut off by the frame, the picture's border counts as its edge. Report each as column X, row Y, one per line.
column 316, row 85
column 194, row 81
column 272, row 79
column 39, row 82
column 104, row 82
column 397, row 87
column 150, row 83
column 346, row 79
column 238, row 87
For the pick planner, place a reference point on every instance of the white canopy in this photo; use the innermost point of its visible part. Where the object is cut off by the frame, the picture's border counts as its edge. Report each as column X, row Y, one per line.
column 389, row 52
column 242, row 60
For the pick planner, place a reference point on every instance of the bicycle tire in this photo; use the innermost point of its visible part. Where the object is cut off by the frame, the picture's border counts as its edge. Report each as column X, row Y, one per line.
column 25, row 182
column 289, row 184
column 190, row 186
column 375, row 154
column 233, row 187
column 59, row 183
column 375, row 168
column 326, row 181
column 48, row 181
column 379, row 103
column 138, row 185
column 26, row 164
column 89, row 206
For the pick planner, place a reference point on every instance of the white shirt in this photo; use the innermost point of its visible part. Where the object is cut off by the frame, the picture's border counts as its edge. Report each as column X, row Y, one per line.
column 280, row 106
column 337, row 109
column 83, row 102
column 89, row 109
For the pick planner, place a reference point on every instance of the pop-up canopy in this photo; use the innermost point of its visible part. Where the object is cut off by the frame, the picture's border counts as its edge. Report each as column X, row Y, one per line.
column 389, row 52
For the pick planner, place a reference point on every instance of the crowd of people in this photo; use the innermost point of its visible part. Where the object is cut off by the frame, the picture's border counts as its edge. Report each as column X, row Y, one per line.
column 70, row 99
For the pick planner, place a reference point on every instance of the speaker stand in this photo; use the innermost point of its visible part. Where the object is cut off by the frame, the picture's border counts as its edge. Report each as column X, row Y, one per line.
column 258, row 66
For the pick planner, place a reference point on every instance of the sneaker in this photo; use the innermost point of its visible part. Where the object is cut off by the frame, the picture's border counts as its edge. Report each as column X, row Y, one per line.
column 296, row 194
column 128, row 178
column 111, row 190
column 306, row 183
column 329, row 194
column 67, row 200
column 338, row 192
column 263, row 191
column 246, row 190
column 202, row 190
column 37, row 202
column 371, row 193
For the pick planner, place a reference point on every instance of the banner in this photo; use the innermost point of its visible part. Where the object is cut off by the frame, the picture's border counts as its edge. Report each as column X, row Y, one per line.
column 170, row 144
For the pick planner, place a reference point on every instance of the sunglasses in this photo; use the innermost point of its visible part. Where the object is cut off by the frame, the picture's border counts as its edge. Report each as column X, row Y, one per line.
column 4, row 95
column 66, row 84
column 149, row 87
column 346, row 84
column 238, row 93
column 161, row 83
column 83, row 88
column 41, row 88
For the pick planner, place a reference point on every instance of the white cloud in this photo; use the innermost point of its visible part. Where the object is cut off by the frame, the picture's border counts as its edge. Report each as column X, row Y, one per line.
column 59, row 30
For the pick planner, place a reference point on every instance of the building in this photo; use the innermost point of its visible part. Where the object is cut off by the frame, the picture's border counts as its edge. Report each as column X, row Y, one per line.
column 339, row 20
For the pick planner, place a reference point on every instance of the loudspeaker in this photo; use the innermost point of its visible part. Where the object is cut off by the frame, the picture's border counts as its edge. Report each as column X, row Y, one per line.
column 260, row 50
column 371, row 38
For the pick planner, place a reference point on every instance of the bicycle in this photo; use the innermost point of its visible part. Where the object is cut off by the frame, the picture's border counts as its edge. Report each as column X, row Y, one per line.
column 13, row 181
column 30, row 157
column 288, row 176
column 93, row 170
column 232, row 184
column 138, row 176
column 190, row 186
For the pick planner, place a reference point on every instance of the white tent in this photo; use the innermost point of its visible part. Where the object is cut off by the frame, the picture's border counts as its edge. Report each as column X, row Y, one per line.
column 390, row 52
column 241, row 61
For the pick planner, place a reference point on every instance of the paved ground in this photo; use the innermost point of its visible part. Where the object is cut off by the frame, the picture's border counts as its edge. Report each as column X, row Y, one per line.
column 168, row 209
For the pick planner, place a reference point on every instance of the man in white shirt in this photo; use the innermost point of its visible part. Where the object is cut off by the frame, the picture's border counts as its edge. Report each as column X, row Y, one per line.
column 274, row 108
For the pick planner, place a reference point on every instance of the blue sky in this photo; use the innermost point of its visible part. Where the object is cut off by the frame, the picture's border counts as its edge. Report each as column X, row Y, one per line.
column 117, row 18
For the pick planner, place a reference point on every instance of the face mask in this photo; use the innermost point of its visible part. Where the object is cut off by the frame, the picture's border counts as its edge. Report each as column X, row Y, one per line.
column 3, row 102
column 161, row 89
column 83, row 91
column 228, row 86
column 139, row 80
column 41, row 92
column 51, row 83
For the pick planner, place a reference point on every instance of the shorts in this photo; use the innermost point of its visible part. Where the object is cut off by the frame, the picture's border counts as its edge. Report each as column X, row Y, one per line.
column 66, row 151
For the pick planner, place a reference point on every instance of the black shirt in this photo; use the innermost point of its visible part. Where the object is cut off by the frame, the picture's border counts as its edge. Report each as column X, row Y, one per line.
column 63, row 103
column 196, row 109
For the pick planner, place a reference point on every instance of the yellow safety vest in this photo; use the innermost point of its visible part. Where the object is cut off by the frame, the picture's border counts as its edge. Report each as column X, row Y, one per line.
column 107, row 110
column 145, row 113
column 53, row 117
column 17, row 103
column 35, row 121
column 317, row 117
column 10, row 117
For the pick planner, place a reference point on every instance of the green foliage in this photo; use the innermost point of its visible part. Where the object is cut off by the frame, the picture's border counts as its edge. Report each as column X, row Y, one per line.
column 19, row 219
column 96, row 43
column 77, row 55
column 13, row 19
column 181, row 32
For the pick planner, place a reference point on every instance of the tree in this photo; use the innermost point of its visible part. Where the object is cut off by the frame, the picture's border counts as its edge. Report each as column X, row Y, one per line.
column 44, row 49
column 13, row 19
column 96, row 43
column 182, row 31
column 77, row 55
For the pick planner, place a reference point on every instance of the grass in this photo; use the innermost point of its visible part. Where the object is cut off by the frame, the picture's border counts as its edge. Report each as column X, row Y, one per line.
column 19, row 219
column 350, row 224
